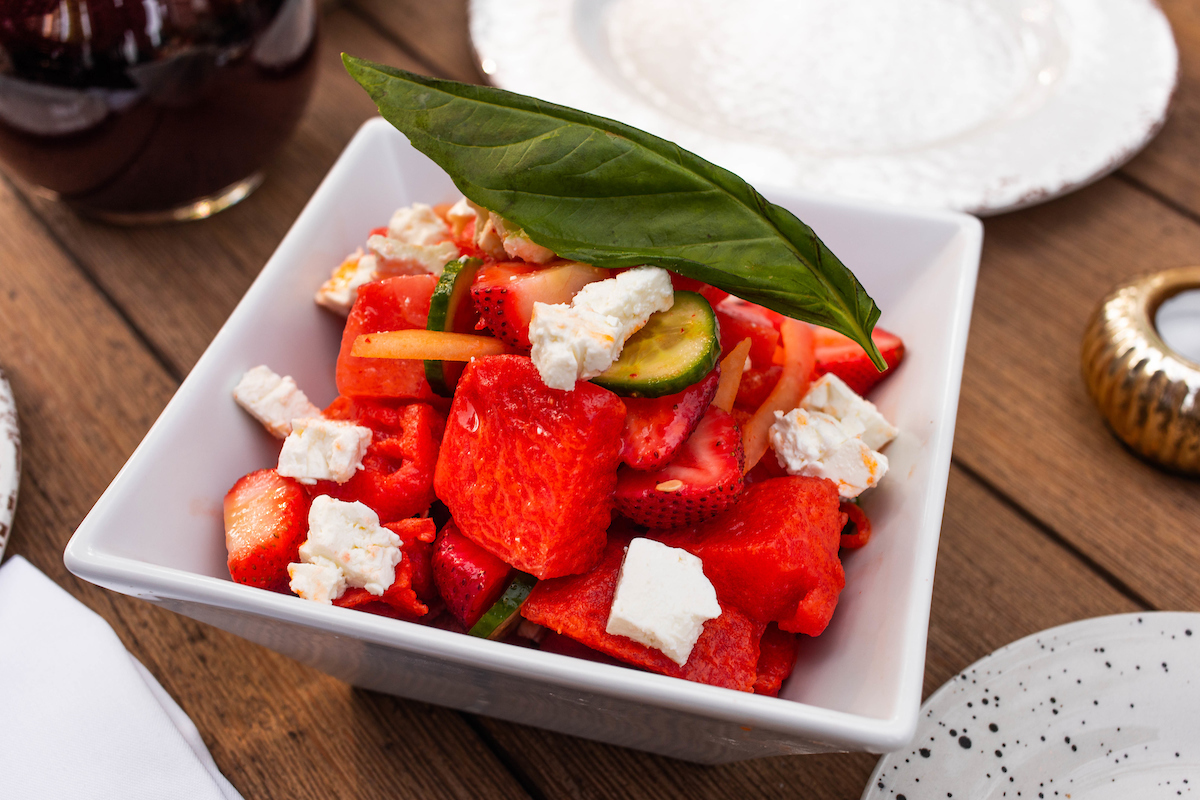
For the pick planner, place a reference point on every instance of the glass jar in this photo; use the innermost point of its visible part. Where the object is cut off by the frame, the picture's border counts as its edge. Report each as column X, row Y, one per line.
column 148, row 110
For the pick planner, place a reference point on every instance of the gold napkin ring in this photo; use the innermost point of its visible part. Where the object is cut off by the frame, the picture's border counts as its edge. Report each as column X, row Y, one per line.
column 1149, row 394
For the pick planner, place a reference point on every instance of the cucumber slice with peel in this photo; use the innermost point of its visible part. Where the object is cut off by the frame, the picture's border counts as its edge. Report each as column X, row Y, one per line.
column 453, row 289
column 673, row 350
column 498, row 620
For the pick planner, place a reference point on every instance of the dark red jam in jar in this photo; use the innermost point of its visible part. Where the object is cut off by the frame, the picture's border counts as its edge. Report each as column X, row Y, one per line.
column 147, row 109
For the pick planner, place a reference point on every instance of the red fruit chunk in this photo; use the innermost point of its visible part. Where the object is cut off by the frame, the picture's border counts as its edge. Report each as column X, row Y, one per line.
column 469, row 578
column 504, row 294
column 846, row 359
column 417, row 535
column 775, row 554
column 703, row 480
column 400, row 600
column 396, row 480
column 755, row 388
column 528, row 472
column 726, row 654
column 266, row 521
column 776, row 659
column 710, row 293
column 741, row 320
column 858, row 527
column 392, row 304
column 656, row 427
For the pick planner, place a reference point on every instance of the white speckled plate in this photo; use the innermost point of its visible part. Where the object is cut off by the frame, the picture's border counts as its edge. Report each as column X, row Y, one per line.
column 1101, row 709
column 10, row 460
column 974, row 105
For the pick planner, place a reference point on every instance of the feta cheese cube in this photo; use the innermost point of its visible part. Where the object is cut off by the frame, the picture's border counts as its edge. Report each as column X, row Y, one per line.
column 345, row 538
column 816, row 444
column 417, row 224
column 830, row 395
column 273, row 400
column 580, row 341
column 460, row 215
column 662, row 599
column 319, row 580
column 341, row 290
column 401, row 258
column 321, row 449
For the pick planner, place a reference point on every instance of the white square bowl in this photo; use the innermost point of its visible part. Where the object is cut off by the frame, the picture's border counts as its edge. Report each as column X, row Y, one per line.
column 156, row 533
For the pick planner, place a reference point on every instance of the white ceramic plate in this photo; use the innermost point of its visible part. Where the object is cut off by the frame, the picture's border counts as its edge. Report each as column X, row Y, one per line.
column 976, row 105
column 1103, row 709
column 157, row 533
column 10, row 460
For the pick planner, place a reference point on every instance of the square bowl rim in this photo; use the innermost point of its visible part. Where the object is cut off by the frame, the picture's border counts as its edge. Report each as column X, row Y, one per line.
column 86, row 559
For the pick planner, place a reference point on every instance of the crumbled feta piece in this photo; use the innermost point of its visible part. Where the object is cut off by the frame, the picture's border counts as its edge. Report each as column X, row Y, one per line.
column 487, row 237
column 662, row 599
column 348, row 538
column 273, row 400
column 341, row 290
column 320, row 580
column 580, row 341
column 460, row 216
column 418, row 224
column 321, row 449
column 830, row 395
column 401, row 258
column 816, row 444
column 519, row 245
column 570, row 344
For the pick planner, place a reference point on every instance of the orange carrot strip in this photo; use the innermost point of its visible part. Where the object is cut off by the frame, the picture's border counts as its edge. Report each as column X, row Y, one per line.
column 427, row 345
column 731, row 376
column 799, row 357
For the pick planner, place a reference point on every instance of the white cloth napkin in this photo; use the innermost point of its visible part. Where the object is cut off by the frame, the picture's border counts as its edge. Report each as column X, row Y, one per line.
column 79, row 716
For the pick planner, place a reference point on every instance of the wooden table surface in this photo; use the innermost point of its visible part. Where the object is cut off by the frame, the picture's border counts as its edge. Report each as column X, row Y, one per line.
column 1048, row 519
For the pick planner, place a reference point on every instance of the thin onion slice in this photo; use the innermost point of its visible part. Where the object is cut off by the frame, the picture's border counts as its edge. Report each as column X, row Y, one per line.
column 731, row 376
column 799, row 358
column 427, row 345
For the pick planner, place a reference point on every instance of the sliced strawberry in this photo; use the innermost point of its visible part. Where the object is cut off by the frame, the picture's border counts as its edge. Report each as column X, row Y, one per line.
column 656, row 427
column 703, row 480
column 396, row 480
column 710, row 293
column 266, row 521
column 528, row 472
column 776, row 660
column 775, row 554
column 726, row 654
column 504, row 294
column 846, row 359
column 392, row 304
column 741, row 320
column 469, row 578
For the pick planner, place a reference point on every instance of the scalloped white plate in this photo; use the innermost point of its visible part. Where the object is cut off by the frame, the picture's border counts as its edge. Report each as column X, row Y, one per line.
column 981, row 106
column 10, row 460
column 1102, row 709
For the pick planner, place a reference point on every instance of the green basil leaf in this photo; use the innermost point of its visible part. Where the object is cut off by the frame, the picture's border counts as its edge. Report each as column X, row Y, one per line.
column 595, row 190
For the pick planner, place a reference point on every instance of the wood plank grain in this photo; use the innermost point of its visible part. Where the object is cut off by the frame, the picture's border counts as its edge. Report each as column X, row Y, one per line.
column 178, row 283
column 435, row 33
column 1170, row 165
column 86, row 391
column 998, row 579
column 1026, row 424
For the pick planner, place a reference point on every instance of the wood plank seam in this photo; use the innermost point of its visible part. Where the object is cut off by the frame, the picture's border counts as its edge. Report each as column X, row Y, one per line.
column 1050, row 533
column 1158, row 196
column 80, row 265
column 519, row 774
column 392, row 38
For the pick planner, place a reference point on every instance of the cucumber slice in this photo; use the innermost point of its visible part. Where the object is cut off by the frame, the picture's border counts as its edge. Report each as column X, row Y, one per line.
column 452, row 291
column 674, row 350
column 498, row 620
